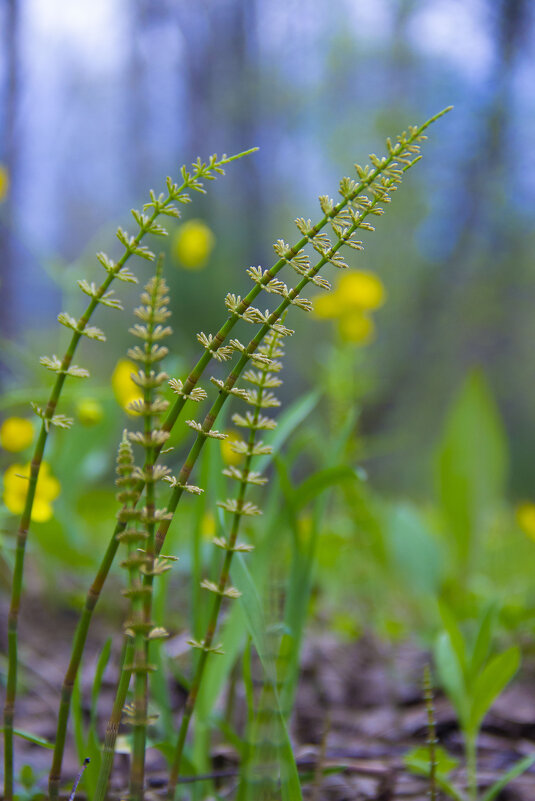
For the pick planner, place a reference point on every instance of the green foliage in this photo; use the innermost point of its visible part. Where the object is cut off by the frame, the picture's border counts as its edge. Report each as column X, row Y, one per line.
column 471, row 465
column 472, row 677
column 262, row 537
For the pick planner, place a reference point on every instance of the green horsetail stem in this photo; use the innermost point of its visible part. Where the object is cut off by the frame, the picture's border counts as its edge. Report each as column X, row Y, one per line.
column 270, row 350
column 171, row 418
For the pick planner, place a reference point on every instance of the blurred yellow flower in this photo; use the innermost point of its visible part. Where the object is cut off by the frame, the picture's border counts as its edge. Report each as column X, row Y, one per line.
column 89, row 411
column 208, row 526
column 229, row 456
column 16, row 434
column 4, row 182
column 357, row 328
column 124, row 388
column 192, row 244
column 525, row 517
column 16, row 486
column 360, row 290
column 356, row 293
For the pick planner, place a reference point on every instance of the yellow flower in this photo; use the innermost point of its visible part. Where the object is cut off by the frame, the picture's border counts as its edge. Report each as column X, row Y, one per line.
column 357, row 328
column 16, row 487
column 16, row 434
column 356, row 293
column 360, row 290
column 229, row 456
column 123, row 387
column 326, row 306
column 208, row 529
column 89, row 411
column 4, row 182
column 192, row 244
column 525, row 517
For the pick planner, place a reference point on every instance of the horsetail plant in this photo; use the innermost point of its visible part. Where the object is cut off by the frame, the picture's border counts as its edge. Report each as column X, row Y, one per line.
column 141, row 562
column 157, row 206
column 263, row 378
column 360, row 198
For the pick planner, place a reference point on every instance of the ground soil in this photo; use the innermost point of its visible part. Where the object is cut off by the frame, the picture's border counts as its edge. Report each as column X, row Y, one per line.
column 359, row 710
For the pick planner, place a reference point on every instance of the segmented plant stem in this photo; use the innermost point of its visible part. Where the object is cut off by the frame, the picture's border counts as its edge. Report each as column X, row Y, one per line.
column 112, row 729
column 107, row 561
column 22, row 534
column 221, row 586
column 169, row 422
column 142, row 613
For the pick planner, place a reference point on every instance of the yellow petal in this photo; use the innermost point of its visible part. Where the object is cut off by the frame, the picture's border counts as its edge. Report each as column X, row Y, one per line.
column 525, row 517
column 192, row 244
column 123, row 387
column 16, row 434
column 357, row 328
column 208, row 526
column 41, row 511
column 326, row 306
column 89, row 411
column 360, row 290
column 48, row 487
column 16, row 487
column 229, row 457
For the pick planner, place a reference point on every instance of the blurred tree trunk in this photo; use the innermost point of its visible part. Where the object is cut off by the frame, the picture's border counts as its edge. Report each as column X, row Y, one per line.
column 9, row 157
column 222, row 80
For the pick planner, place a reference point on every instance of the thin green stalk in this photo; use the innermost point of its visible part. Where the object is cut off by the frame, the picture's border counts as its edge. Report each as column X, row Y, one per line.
column 171, row 418
column 153, row 313
column 206, row 646
column 471, row 764
column 112, row 729
column 48, row 417
column 161, row 205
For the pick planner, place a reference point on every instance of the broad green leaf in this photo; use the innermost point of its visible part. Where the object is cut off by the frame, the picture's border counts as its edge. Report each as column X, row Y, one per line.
column 451, row 675
column 455, row 635
column 518, row 768
column 415, row 554
column 483, row 641
column 27, row 777
column 418, row 761
column 489, row 684
column 471, row 461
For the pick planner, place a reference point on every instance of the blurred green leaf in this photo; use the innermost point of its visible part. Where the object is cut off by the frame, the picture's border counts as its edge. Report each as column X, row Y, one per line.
column 415, row 554
column 418, row 761
column 471, row 461
column 451, row 675
column 483, row 642
column 32, row 738
column 287, row 422
column 321, row 480
column 489, row 684
column 518, row 768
